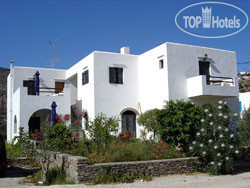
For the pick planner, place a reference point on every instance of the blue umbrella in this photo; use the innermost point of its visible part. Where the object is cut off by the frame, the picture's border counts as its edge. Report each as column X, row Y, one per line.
column 37, row 82
column 53, row 113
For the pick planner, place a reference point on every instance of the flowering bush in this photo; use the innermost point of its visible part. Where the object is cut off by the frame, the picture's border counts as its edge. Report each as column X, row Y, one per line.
column 125, row 136
column 217, row 143
column 160, row 150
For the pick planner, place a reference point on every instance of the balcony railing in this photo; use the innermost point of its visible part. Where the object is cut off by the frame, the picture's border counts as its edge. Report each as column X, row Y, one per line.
column 219, row 81
column 52, row 91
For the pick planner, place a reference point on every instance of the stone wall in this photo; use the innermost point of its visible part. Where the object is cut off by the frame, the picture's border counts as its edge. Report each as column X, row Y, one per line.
column 79, row 170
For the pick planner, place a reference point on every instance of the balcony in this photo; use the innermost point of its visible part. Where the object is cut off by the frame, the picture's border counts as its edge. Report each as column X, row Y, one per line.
column 203, row 85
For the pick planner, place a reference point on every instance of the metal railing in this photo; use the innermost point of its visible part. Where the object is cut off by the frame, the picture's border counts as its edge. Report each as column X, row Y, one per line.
column 219, row 81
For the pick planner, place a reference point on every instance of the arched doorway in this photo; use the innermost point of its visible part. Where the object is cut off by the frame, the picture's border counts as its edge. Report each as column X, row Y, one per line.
column 129, row 122
column 37, row 119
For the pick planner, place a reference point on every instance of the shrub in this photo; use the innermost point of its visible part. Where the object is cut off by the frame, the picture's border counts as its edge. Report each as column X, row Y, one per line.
column 57, row 137
column 14, row 150
column 245, row 127
column 217, row 141
column 178, row 122
column 101, row 130
column 23, row 141
column 55, row 176
column 149, row 121
column 107, row 175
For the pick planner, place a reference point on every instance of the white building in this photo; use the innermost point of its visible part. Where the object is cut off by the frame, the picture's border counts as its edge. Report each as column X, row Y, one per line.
column 124, row 85
column 244, row 99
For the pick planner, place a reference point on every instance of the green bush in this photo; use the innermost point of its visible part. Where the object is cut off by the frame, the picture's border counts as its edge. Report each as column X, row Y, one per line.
column 178, row 122
column 101, row 130
column 57, row 137
column 149, row 121
column 245, row 127
column 107, row 175
column 14, row 150
column 217, row 142
column 55, row 176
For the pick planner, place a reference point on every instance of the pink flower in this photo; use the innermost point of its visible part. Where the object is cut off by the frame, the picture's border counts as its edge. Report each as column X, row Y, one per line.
column 77, row 133
column 162, row 150
column 154, row 145
column 153, row 154
column 166, row 150
column 81, row 114
column 129, row 134
column 125, row 133
column 57, row 117
column 60, row 120
column 66, row 117
column 77, row 122
column 121, row 135
column 161, row 142
column 157, row 151
column 156, row 156
column 153, row 149
column 160, row 154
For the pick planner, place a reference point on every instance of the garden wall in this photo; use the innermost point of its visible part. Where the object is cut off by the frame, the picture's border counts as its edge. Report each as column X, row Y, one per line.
column 78, row 170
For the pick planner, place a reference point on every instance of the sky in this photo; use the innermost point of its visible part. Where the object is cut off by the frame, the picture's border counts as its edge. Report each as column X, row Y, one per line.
column 83, row 26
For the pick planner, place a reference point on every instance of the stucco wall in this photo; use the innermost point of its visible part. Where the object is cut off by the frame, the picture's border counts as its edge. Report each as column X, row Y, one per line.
column 153, row 81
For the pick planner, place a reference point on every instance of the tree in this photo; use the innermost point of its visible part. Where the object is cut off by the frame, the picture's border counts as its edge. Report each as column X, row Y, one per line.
column 149, row 121
column 178, row 122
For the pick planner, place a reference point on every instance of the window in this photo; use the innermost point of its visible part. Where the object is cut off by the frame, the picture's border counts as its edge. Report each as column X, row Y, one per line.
column 59, row 86
column 161, row 64
column 85, row 77
column 115, row 75
column 204, row 68
column 30, row 84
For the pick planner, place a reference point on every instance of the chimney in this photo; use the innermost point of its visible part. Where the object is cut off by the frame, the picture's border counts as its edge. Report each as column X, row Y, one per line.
column 125, row 50
column 11, row 65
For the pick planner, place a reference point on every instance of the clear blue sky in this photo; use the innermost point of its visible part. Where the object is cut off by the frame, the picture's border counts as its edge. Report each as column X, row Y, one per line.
column 82, row 26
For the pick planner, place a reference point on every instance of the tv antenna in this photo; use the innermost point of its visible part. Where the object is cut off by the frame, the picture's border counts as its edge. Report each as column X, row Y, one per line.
column 52, row 42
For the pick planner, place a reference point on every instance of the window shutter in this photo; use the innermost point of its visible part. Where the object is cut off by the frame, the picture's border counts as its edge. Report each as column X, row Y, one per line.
column 111, row 75
column 87, row 76
column 120, row 75
column 83, row 78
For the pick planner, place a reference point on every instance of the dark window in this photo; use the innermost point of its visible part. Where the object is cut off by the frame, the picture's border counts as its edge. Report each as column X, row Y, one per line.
column 161, row 64
column 115, row 75
column 204, row 68
column 85, row 77
column 31, row 86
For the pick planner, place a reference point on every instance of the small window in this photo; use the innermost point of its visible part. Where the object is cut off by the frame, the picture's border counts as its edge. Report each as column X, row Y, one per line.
column 30, row 84
column 115, row 75
column 161, row 64
column 85, row 77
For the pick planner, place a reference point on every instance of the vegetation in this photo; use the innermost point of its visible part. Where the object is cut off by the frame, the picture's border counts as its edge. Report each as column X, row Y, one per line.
column 107, row 175
column 54, row 176
column 178, row 123
column 149, row 121
column 217, row 141
column 245, row 128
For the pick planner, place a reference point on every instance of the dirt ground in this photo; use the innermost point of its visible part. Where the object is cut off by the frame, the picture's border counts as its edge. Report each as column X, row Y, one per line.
column 240, row 180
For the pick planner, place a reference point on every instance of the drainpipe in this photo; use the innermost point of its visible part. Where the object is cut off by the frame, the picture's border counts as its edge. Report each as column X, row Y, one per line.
column 11, row 98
